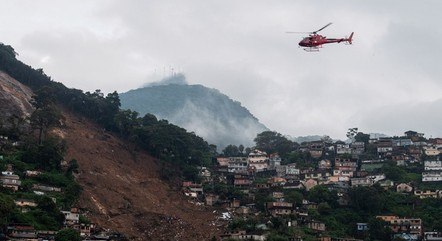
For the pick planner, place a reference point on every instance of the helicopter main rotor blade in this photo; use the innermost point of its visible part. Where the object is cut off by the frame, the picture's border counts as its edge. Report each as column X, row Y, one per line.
column 322, row 28
column 298, row 32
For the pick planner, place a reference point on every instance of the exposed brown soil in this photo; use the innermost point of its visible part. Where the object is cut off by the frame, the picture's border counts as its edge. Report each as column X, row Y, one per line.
column 123, row 190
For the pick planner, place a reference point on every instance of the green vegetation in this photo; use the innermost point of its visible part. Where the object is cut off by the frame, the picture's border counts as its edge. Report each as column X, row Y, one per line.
column 271, row 142
column 223, row 120
column 168, row 142
column 67, row 235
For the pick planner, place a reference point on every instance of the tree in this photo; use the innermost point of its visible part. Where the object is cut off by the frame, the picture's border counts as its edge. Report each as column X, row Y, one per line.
column 326, row 139
column 68, row 235
column 366, row 199
column 324, row 208
column 361, row 137
column 72, row 168
column 378, row 230
column 241, row 149
column 231, row 150
column 272, row 141
column 46, row 115
column 47, row 156
column 6, row 207
column 321, row 194
column 394, row 172
column 351, row 133
column 294, row 197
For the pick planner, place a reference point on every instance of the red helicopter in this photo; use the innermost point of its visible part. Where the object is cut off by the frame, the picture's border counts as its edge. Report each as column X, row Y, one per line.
column 315, row 41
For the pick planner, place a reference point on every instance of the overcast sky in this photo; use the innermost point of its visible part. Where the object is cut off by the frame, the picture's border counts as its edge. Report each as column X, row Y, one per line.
column 388, row 81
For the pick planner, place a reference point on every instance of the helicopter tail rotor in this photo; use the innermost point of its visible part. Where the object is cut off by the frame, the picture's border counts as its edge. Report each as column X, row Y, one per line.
column 350, row 39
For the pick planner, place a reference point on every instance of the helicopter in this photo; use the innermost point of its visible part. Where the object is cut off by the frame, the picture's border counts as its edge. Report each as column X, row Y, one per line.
column 314, row 41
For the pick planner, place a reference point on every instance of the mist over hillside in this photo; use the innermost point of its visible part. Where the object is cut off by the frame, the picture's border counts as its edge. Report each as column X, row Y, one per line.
column 207, row 112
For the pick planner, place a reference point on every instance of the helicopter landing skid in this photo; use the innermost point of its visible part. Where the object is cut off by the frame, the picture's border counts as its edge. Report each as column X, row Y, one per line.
column 312, row 49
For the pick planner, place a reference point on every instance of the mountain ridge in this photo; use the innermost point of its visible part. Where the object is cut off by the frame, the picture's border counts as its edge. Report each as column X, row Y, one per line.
column 209, row 113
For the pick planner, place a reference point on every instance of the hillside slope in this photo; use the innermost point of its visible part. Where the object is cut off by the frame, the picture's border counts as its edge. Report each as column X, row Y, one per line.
column 14, row 98
column 209, row 113
column 122, row 188
column 123, row 191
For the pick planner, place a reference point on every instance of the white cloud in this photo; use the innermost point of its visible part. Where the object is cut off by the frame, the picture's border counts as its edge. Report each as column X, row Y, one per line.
column 240, row 48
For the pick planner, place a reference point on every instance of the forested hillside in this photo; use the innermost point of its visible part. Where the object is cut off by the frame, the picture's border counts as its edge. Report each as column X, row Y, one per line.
column 163, row 140
column 209, row 113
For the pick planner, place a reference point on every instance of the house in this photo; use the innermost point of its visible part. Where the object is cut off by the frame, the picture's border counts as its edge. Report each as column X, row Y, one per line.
column 291, row 169
column 384, row 145
column 325, row 164
column 30, row 173
column 343, row 149
column 196, row 188
column 387, row 218
column 280, row 170
column 408, row 225
column 402, row 142
column 25, row 204
column 243, row 210
column 235, row 203
column 357, row 148
column 85, row 229
column 46, row 235
column 46, row 188
column 316, row 148
column 432, row 236
column 204, row 173
column 337, row 239
column 258, row 161
column 404, row 187
column 310, row 183
column 319, row 175
column 371, row 165
column 432, row 165
column 22, row 232
column 411, row 226
column 278, row 195
column 316, row 225
column 386, row 184
column 279, row 208
column 293, row 185
column 361, row 226
column 345, row 164
column 413, row 134
column 211, row 199
column 431, row 151
column 10, row 180
column 241, row 180
column 237, row 165
column 415, row 152
column 262, row 185
column 377, row 177
column 360, row 174
column 361, row 182
column 274, row 161
column 435, row 176
column 428, row 194
column 71, row 217
column 309, row 205
column 341, row 175
column 435, row 142
column 405, row 237
column 222, row 161
column 276, row 181
column 243, row 235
